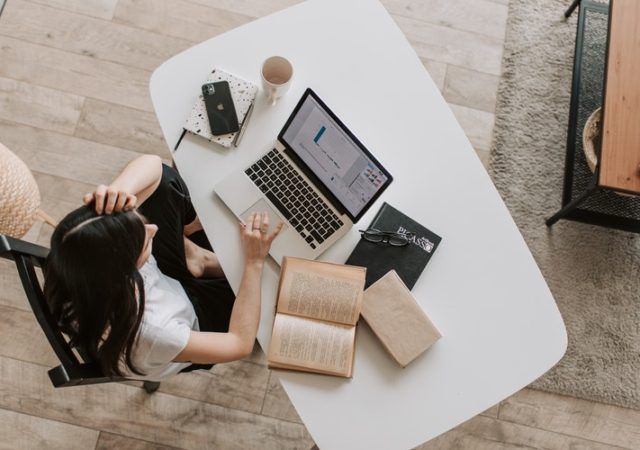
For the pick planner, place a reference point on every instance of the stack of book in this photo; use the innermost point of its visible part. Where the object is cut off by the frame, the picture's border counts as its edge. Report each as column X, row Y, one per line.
column 318, row 308
column 319, row 303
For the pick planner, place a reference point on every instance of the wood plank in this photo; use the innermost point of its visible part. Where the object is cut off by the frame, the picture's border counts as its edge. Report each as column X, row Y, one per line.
column 11, row 293
column 277, row 403
column 479, row 16
column 123, row 127
column 238, row 385
column 485, row 433
column 108, row 441
column 25, row 431
column 38, row 106
column 58, row 188
column 251, row 8
column 484, row 156
column 492, row 412
column 22, row 338
column 59, row 197
column 598, row 422
column 456, row 47
column 87, row 36
column 54, row 188
column 437, row 70
column 129, row 411
column 65, row 156
column 472, row 89
column 477, row 125
column 33, row 232
column 58, row 209
column 257, row 356
column 101, row 9
column 179, row 18
column 620, row 154
column 77, row 74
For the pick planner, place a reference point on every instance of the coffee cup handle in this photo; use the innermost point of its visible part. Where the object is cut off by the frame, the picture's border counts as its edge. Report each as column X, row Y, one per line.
column 272, row 98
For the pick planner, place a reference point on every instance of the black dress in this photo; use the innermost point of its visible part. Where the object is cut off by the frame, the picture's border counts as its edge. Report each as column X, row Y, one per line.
column 170, row 208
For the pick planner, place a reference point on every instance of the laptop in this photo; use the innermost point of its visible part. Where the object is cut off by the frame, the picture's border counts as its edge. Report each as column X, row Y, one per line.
column 318, row 179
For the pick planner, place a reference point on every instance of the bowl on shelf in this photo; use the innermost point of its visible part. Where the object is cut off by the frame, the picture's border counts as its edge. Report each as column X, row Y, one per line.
column 591, row 138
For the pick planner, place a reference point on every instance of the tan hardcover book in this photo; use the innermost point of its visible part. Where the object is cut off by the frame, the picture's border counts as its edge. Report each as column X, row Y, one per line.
column 397, row 320
column 318, row 307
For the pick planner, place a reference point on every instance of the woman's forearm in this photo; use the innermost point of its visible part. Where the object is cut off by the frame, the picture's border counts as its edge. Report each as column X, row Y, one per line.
column 245, row 316
column 140, row 177
column 211, row 347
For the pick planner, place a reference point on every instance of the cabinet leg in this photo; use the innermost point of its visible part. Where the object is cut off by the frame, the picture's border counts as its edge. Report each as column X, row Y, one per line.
column 570, row 206
column 571, row 8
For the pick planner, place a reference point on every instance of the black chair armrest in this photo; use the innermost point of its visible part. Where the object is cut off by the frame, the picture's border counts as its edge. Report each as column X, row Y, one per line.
column 88, row 373
column 9, row 245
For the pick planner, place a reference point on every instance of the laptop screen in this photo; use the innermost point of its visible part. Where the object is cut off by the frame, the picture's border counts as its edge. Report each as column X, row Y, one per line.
column 334, row 155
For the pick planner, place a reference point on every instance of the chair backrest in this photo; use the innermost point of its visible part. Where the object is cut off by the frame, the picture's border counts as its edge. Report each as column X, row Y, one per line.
column 71, row 371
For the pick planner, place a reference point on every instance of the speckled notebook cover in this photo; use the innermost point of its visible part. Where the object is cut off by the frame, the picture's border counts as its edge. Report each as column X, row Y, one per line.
column 243, row 93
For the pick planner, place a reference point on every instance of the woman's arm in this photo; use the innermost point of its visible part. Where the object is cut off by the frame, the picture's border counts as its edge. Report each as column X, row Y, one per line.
column 137, row 181
column 209, row 347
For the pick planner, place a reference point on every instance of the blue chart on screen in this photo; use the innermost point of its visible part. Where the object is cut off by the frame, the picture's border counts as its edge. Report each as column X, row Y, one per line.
column 319, row 135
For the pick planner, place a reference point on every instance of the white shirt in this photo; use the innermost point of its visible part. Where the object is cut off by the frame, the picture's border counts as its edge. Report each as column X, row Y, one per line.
column 166, row 325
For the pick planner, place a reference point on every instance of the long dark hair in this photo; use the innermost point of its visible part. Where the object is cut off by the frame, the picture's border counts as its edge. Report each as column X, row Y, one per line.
column 93, row 287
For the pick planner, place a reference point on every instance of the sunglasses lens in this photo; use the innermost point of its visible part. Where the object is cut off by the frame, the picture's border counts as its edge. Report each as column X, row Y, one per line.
column 372, row 236
column 398, row 241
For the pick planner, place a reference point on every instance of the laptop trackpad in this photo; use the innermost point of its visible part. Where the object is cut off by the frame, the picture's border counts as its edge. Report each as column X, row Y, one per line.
column 261, row 206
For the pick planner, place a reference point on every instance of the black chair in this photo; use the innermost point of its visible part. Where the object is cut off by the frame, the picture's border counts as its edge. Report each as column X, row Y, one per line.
column 71, row 371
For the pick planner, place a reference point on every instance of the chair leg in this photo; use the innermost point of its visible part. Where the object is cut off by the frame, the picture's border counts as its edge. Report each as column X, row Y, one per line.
column 571, row 8
column 46, row 218
column 151, row 386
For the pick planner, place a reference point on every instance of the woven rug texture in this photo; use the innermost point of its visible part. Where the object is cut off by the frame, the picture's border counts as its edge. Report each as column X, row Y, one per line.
column 593, row 272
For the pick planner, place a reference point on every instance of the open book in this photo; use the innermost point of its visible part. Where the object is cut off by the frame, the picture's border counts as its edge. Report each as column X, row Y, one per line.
column 318, row 307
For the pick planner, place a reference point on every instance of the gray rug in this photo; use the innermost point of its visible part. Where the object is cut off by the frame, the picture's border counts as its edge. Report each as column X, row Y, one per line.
column 593, row 272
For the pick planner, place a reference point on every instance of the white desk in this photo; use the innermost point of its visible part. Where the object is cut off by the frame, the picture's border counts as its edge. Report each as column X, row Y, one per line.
column 501, row 327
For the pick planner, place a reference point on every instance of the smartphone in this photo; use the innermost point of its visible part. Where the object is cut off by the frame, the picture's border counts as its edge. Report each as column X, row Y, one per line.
column 220, row 108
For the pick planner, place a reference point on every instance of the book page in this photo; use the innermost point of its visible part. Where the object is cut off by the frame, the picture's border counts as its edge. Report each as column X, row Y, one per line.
column 322, row 291
column 322, row 346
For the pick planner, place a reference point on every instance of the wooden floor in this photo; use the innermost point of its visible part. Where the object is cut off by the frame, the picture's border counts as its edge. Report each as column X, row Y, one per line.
column 74, row 104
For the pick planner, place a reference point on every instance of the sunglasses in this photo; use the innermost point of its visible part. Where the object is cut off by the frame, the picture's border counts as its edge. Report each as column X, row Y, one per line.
column 387, row 237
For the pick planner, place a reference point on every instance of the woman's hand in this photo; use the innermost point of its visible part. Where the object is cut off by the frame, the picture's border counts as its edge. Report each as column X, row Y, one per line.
column 255, row 240
column 137, row 181
column 110, row 199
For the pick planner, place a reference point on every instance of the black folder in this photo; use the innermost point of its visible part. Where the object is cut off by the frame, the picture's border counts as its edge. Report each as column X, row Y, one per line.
column 408, row 261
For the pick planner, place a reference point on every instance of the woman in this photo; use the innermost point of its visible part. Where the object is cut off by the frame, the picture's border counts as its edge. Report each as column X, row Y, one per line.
column 128, row 284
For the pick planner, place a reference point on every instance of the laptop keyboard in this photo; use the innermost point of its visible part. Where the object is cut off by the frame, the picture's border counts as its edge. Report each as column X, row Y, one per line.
column 294, row 198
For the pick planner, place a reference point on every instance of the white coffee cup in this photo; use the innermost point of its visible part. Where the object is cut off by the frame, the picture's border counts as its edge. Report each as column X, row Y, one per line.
column 276, row 73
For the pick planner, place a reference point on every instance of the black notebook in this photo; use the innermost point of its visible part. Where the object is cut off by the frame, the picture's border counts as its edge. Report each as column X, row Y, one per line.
column 408, row 261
